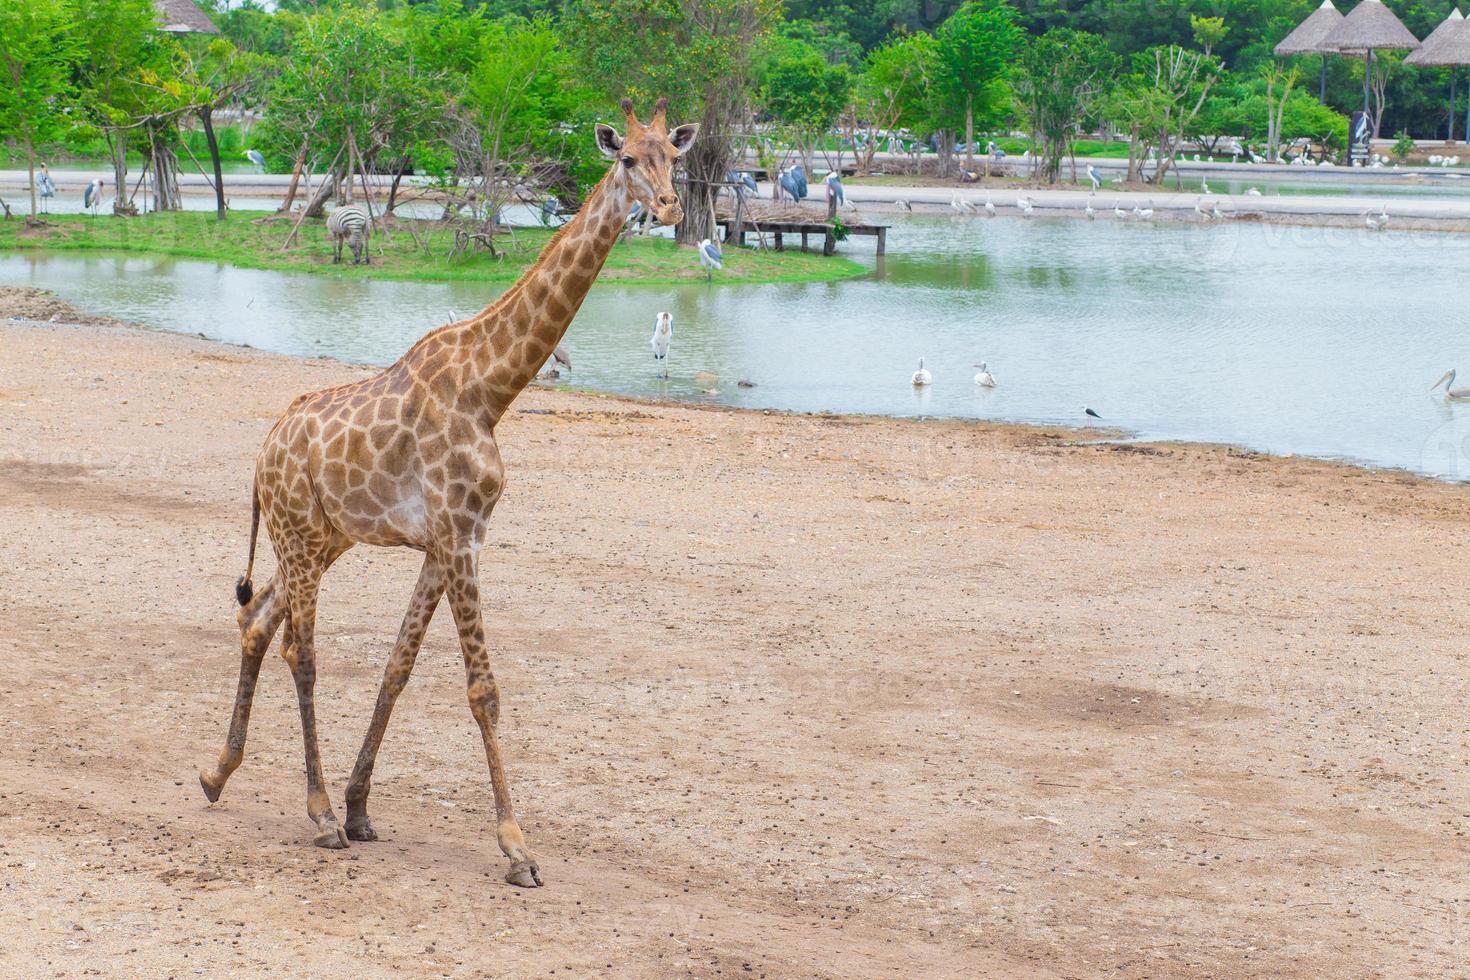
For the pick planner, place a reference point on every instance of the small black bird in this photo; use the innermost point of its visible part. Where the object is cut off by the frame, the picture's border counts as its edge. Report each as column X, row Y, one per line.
column 1091, row 412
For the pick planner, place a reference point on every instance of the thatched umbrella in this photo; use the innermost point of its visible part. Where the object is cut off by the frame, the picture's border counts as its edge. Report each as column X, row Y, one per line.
column 1448, row 47
column 1307, row 39
column 1370, row 27
column 182, row 17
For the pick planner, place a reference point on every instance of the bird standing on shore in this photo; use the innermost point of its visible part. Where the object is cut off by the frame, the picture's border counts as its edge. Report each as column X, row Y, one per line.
column 1024, row 203
column 710, row 258
column 1144, row 213
column 92, row 196
column 1450, row 391
column 1089, row 412
column 1088, row 210
column 984, row 378
column 989, row 206
column 46, row 187
column 959, row 204
column 905, row 205
column 1093, row 176
column 922, row 376
column 1118, row 211
column 663, row 336
column 255, row 157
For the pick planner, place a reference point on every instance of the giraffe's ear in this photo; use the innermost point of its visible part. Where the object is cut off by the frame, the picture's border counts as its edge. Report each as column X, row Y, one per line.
column 608, row 141
column 683, row 137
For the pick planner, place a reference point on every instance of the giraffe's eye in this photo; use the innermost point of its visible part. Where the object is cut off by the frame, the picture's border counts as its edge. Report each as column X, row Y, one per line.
column 629, row 162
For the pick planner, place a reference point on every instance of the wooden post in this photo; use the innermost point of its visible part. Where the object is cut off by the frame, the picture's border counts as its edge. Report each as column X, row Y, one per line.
column 882, row 240
column 829, row 243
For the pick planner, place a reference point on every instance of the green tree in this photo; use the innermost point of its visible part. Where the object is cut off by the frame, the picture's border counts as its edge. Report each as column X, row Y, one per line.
column 698, row 54
column 976, row 45
column 806, row 95
column 891, row 93
column 1060, row 80
column 37, row 55
column 118, row 39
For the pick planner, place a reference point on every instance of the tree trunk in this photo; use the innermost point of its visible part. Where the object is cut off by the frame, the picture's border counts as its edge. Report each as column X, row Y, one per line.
column 206, row 115
column 706, row 163
column 117, row 142
column 295, row 179
column 319, row 199
column 969, row 133
column 31, row 171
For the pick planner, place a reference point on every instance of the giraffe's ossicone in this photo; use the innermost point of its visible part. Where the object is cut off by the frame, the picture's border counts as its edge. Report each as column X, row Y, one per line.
column 408, row 458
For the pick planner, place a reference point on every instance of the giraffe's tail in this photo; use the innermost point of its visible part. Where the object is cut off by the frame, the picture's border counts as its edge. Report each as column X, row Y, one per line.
column 244, row 590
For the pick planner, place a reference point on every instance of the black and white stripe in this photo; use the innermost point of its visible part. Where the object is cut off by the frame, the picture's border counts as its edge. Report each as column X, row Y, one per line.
column 349, row 224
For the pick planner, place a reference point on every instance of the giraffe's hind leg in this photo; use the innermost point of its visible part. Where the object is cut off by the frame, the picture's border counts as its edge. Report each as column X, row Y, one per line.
column 302, row 582
column 259, row 620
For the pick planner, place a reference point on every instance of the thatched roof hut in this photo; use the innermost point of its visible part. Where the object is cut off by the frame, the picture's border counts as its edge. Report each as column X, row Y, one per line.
column 183, row 17
column 1448, row 44
column 1370, row 27
column 1307, row 38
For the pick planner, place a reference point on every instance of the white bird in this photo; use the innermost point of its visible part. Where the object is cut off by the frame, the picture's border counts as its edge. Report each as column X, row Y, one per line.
column 710, row 258
column 1091, row 214
column 1204, row 184
column 1372, row 222
column 905, row 205
column 1450, row 391
column 1024, row 203
column 1092, row 176
column 1383, row 215
column 1118, row 211
column 92, row 196
column 663, row 335
column 1252, row 192
column 984, row 378
column 453, row 317
column 989, row 205
column 254, row 157
column 1139, row 212
column 922, row 376
column 959, row 204
column 1216, row 213
column 1199, row 207
column 554, row 365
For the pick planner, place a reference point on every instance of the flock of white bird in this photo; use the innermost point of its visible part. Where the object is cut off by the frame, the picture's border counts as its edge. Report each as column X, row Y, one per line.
column 923, row 377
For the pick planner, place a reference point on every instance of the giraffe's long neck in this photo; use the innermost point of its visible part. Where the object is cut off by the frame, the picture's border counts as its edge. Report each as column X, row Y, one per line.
column 517, row 333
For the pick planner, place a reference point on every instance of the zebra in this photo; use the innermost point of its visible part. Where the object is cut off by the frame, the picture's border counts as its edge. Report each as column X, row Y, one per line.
column 349, row 224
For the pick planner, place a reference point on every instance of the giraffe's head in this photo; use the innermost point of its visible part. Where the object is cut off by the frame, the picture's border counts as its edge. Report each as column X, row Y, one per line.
column 645, row 159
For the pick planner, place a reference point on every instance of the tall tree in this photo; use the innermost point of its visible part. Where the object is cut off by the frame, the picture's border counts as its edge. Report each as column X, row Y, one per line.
column 1062, row 77
column 976, row 45
column 695, row 52
column 37, row 55
column 891, row 92
column 806, row 94
column 118, row 39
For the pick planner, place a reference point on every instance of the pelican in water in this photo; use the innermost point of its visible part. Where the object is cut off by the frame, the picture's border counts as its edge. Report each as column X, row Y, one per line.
column 1147, row 212
column 1450, row 391
column 989, row 205
column 922, row 376
column 1024, row 203
column 984, row 378
column 959, row 204
column 1091, row 214
column 1118, row 211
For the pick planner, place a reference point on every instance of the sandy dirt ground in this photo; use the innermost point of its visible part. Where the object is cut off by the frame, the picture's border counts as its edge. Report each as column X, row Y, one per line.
column 782, row 696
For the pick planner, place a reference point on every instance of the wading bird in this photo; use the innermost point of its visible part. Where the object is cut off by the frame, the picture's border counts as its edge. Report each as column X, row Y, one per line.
column 793, row 181
column 1450, row 391
column 1092, row 176
column 710, row 258
column 835, row 195
column 92, row 196
column 745, row 180
column 46, row 187
column 989, row 206
column 1024, row 203
column 1147, row 212
column 558, row 361
column 995, row 151
column 549, row 208
column 1204, row 184
column 1090, row 412
column 1252, row 192
column 1091, row 214
column 254, row 157
column 905, row 205
column 959, row 204
column 984, row 378
column 922, row 376
column 1118, row 211
column 663, row 335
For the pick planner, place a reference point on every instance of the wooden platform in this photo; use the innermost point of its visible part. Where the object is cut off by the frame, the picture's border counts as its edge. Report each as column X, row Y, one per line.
column 779, row 229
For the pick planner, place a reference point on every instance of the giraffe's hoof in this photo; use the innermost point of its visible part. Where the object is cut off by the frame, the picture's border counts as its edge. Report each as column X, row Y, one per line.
column 526, row 874
column 210, row 790
column 332, row 836
column 361, row 829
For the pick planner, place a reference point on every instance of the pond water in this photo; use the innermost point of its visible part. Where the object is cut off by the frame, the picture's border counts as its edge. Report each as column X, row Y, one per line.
column 1286, row 339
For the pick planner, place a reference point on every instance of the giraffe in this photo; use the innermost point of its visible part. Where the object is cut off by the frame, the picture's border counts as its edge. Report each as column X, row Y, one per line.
column 408, row 458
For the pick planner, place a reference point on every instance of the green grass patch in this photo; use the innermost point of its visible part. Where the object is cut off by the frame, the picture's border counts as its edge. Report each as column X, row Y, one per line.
column 412, row 250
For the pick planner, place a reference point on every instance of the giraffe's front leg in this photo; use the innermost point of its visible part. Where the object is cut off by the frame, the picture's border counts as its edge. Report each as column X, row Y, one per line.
column 464, row 600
